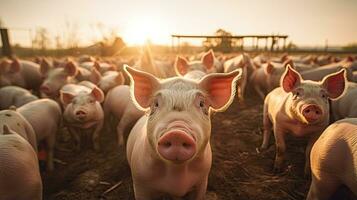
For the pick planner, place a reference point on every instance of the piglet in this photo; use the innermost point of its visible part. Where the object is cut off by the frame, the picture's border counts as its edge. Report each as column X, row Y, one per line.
column 15, row 96
column 45, row 117
column 206, row 64
column 334, row 160
column 20, row 177
column 82, row 111
column 300, row 107
column 168, row 149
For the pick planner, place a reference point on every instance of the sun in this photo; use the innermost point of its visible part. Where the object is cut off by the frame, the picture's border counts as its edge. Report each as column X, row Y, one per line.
column 140, row 30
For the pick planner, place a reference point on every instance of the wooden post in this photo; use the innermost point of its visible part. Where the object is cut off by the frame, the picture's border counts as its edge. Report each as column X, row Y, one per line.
column 6, row 47
column 266, row 43
column 284, row 47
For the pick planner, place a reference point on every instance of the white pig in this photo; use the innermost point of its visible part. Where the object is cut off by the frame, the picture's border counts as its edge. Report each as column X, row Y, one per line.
column 300, row 107
column 168, row 149
column 82, row 111
column 334, row 160
column 15, row 96
column 45, row 117
column 20, row 177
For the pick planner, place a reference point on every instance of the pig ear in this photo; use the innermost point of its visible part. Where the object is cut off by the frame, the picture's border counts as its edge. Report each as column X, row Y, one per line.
column 290, row 79
column 143, row 85
column 98, row 94
column 220, row 88
column 95, row 76
column 335, row 84
column 181, row 66
column 269, row 68
column 66, row 97
column 6, row 130
column 71, row 68
column 44, row 66
column 208, row 59
column 15, row 66
column 289, row 62
column 96, row 65
column 120, row 79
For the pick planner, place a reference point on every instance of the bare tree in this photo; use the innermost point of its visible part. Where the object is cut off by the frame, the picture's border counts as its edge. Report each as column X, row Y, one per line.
column 41, row 39
column 71, row 34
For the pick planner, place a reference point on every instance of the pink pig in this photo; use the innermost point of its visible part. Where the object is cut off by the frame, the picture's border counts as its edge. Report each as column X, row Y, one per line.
column 300, row 107
column 168, row 149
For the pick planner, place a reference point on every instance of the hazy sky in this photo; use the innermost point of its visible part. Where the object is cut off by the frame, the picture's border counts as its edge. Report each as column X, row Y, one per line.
column 307, row 22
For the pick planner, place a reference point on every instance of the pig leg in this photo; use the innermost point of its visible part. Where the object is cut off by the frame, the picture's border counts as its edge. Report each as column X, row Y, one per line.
column 322, row 187
column 126, row 121
column 312, row 140
column 259, row 91
column 267, row 129
column 200, row 192
column 280, row 149
column 50, row 148
column 76, row 137
column 96, row 133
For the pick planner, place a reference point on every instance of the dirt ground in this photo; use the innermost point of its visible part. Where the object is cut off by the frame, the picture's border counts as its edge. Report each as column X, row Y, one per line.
column 238, row 171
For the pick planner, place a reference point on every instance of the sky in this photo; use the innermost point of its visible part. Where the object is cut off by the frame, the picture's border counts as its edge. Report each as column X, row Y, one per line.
column 307, row 22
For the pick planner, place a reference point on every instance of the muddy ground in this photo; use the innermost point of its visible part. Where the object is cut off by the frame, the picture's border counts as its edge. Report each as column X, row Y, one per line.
column 238, row 171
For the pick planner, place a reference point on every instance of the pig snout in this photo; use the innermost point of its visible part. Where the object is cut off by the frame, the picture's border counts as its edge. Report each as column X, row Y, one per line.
column 177, row 146
column 81, row 114
column 45, row 89
column 311, row 112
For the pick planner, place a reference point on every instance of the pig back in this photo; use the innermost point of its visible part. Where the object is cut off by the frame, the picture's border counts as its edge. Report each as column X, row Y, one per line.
column 19, row 167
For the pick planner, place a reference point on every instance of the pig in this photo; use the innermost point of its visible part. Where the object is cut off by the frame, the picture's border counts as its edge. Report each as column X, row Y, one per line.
column 15, row 96
column 182, row 66
column 88, row 75
column 118, row 104
column 20, row 177
column 300, row 107
column 16, row 122
column 245, row 63
column 346, row 106
column 317, row 74
column 99, row 66
column 45, row 117
column 83, row 112
column 25, row 74
column 334, row 160
column 168, row 149
column 56, row 77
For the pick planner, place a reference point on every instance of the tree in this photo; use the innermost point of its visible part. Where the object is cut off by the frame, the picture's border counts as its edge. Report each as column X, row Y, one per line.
column 41, row 39
column 223, row 44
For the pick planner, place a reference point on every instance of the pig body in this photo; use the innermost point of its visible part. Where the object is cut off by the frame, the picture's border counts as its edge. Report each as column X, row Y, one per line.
column 25, row 74
column 83, row 112
column 118, row 104
column 317, row 74
column 20, row 175
column 109, row 80
column 17, row 123
column 334, row 160
column 45, row 117
column 301, row 108
column 168, row 149
column 346, row 106
column 15, row 96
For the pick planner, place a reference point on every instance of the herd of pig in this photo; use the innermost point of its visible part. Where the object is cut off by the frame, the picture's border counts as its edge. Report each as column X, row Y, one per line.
column 161, row 112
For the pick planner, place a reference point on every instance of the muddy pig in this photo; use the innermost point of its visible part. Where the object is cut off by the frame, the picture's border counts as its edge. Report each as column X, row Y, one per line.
column 15, row 96
column 20, row 177
column 334, row 160
column 45, row 117
column 168, row 149
column 25, row 74
column 83, row 112
column 300, row 107
column 118, row 104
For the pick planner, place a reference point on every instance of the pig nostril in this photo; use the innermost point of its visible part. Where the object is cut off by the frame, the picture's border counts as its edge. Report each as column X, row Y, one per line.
column 317, row 112
column 307, row 111
column 167, row 144
column 186, row 145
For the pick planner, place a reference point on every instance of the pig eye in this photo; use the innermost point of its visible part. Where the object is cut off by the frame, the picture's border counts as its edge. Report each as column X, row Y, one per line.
column 156, row 103
column 324, row 96
column 297, row 93
column 91, row 101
